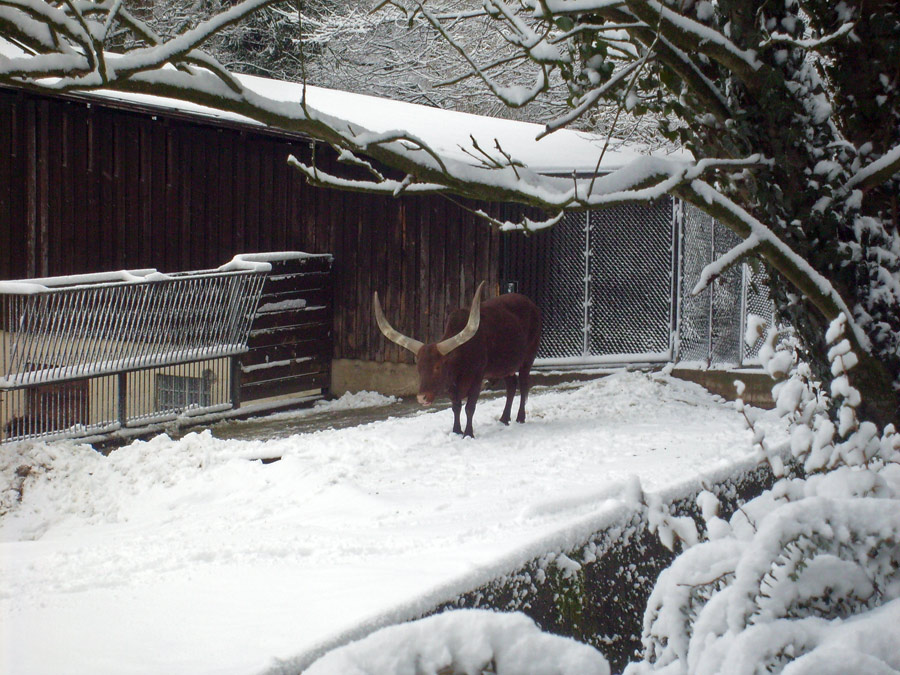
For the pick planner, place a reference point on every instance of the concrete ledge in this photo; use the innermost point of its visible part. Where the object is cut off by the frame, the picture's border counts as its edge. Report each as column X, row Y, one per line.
column 758, row 390
column 400, row 379
column 391, row 379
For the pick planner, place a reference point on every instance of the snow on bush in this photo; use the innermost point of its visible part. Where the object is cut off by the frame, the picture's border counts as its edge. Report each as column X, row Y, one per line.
column 463, row 642
column 806, row 577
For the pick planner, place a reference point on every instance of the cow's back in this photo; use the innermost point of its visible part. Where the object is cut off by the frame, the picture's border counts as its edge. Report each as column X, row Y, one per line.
column 509, row 334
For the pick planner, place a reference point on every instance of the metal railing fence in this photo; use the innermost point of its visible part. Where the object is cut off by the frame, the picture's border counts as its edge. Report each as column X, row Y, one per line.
column 62, row 332
column 89, row 354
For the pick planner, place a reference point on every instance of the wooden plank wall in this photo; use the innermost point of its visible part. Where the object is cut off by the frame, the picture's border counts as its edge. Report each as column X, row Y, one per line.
column 290, row 341
column 93, row 187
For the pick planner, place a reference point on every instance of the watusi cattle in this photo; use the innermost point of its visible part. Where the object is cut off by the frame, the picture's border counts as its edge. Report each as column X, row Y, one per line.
column 494, row 339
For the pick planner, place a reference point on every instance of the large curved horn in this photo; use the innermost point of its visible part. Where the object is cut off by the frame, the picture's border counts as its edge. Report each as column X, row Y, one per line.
column 394, row 336
column 463, row 336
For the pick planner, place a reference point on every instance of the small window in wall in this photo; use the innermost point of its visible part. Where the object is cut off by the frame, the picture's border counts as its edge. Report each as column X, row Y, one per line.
column 174, row 392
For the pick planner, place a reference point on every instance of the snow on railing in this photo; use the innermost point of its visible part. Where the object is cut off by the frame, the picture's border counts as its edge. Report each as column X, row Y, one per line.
column 62, row 328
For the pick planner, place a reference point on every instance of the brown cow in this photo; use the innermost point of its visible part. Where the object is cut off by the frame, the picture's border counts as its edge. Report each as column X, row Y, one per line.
column 492, row 340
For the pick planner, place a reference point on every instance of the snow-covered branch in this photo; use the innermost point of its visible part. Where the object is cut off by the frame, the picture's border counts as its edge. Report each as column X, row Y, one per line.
column 535, row 46
column 717, row 267
column 69, row 49
column 810, row 43
column 642, row 180
column 876, row 172
column 781, row 256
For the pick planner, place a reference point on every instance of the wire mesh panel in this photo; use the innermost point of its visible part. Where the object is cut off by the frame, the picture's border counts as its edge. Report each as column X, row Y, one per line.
column 631, row 277
column 758, row 303
column 561, row 296
column 609, row 284
column 712, row 323
column 604, row 283
column 695, row 315
column 727, row 303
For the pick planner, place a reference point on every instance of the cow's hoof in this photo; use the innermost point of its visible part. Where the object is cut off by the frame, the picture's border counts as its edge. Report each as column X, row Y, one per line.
column 504, row 421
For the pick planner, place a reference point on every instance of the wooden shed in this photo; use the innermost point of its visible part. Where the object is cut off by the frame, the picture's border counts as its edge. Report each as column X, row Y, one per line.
column 93, row 183
column 99, row 182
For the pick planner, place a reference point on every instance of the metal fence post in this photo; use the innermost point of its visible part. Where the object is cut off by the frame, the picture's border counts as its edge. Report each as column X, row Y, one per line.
column 123, row 399
column 235, row 382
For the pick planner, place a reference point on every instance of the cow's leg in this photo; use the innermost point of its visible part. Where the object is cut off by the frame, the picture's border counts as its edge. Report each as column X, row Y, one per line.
column 456, row 405
column 471, row 402
column 510, row 393
column 523, row 392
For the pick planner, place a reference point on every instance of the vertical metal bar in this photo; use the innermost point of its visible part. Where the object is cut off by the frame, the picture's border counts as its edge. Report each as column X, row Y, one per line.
column 116, row 321
column 677, row 282
column 235, row 382
column 57, row 332
column 69, row 337
column 35, row 343
column 19, row 345
column 101, row 310
column 207, row 315
column 122, row 413
column 156, row 313
column 711, row 290
column 741, row 346
column 130, row 337
column 230, row 300
column 38, row 345
column 64, row 339
column 248, row 304
column 217, row 320
column 248, row 299
column 586, row 313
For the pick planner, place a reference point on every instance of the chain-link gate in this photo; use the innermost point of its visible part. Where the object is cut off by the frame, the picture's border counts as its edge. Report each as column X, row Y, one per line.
column 614, row 286
column 631, row 262
column 604, row 281
column 712, row 324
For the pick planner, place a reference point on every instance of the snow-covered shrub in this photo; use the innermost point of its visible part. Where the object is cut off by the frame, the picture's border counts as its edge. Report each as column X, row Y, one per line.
column 806, row 577
column 463, row 642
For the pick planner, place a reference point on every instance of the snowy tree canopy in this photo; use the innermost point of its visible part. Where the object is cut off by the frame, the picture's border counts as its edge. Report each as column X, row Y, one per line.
column 792, row 111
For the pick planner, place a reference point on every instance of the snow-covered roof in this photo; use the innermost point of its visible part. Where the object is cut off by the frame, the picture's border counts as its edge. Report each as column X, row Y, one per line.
column 446, row 131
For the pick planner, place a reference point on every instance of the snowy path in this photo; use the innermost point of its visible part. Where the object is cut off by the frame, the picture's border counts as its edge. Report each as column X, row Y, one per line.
column 185, row 557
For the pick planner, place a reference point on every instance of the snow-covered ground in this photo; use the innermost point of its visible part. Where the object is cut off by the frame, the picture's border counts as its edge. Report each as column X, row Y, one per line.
column 191, row 556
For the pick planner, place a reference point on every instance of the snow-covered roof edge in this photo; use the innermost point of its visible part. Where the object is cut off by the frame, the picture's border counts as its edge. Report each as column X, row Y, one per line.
column 563, row 152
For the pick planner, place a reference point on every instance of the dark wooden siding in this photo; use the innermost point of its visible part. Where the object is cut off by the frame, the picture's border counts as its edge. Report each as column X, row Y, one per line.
column 290, row 338
column 90, row 186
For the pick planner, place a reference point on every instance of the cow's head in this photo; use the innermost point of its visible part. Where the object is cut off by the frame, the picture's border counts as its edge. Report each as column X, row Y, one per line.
column 431, row 358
